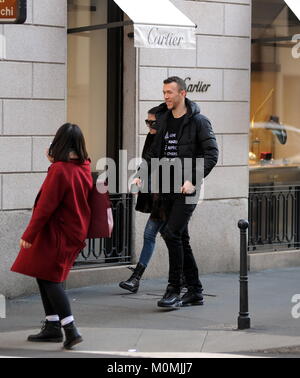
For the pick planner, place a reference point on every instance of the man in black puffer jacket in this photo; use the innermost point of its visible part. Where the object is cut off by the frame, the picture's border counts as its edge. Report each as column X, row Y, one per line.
column 183, row 133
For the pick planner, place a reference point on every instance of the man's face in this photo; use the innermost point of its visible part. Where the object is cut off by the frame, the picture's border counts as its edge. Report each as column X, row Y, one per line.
column 151, row 117
column 173, row 96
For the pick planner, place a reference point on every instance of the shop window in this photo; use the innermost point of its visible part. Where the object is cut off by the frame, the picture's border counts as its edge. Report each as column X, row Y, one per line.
column 95, row 103
column 83, row 13
column 95, row 69
column 275, row 112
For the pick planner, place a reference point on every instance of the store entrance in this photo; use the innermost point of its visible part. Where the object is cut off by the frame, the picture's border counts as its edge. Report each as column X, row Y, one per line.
column 95, row 103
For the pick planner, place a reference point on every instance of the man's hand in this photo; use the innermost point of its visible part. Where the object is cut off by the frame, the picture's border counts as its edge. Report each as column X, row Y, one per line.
column 24, row 244
column 188, row 188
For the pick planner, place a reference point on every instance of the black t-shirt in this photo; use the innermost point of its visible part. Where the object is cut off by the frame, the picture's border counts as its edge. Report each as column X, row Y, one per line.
column 171, row 141
column 170, row 148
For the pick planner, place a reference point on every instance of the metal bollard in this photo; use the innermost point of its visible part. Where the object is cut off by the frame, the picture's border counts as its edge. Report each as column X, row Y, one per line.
column 243, row 319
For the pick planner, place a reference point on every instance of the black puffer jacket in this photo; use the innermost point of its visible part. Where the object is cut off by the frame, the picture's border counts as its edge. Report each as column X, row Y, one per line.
column 196, row 139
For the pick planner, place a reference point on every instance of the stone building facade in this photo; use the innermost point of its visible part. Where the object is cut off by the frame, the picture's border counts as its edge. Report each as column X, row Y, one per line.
column 33, row 104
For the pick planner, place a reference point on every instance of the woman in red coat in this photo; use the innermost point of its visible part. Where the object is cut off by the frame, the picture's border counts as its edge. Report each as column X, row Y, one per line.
column 57, row 232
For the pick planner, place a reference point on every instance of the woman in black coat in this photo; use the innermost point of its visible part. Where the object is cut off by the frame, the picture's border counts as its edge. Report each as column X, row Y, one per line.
column 147, row 203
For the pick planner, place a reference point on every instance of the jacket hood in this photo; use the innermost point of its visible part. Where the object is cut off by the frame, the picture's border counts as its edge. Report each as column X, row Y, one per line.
column 192, row 107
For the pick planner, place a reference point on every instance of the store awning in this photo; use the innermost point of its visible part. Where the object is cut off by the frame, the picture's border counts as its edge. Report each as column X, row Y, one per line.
column 295, row 6
column 159, row 24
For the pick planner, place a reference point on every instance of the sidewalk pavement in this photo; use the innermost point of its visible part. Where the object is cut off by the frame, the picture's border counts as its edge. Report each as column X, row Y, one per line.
column 115, row 323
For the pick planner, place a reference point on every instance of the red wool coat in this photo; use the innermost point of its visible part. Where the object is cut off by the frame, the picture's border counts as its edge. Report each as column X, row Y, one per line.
column 59, row 223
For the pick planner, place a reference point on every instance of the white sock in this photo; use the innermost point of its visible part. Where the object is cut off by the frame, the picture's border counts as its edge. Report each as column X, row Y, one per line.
column 67, row 320
column 52, row 318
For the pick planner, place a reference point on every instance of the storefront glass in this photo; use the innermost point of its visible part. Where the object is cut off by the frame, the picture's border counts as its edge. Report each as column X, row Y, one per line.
column 95, row 103
column 86, row 13
column 274, row 153
column 87, row 73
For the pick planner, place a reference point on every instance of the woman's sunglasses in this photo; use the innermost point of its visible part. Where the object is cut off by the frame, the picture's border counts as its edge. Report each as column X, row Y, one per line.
column 150, row 123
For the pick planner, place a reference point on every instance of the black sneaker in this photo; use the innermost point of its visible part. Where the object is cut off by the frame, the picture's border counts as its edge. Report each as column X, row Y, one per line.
column 193, row 297
column 171, row 298
column 50, row 333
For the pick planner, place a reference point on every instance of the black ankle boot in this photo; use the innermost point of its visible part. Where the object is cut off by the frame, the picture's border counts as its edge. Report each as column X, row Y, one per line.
column 133, row 283
column 50, row 332
column 73, row 337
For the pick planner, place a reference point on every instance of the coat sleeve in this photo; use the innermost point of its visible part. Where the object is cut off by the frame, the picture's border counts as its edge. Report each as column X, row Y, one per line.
column 149, row 152
column 50, row 197
column 208, row 144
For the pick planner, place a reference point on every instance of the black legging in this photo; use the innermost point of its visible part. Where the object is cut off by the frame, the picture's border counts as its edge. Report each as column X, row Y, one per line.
column 54, row 297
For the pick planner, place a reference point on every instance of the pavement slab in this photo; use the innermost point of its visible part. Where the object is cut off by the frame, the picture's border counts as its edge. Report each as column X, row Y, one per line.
column 117, row 324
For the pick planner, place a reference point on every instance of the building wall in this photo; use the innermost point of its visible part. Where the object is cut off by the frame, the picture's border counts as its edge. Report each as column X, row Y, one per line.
column 33, row 67
column 222, row 59
column 32, row 107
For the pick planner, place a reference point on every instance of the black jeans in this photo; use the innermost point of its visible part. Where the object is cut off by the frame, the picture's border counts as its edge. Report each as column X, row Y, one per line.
column 54, row 298
column 177, row 239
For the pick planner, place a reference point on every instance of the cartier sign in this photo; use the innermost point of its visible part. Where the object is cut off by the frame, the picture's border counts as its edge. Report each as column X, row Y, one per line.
column 196, row 86
column 13, row 11
column 164, row 37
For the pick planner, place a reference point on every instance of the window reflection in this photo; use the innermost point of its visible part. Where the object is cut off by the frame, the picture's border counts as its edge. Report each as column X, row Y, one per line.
column 275, row 91
column 86, row 13
column 87, row 74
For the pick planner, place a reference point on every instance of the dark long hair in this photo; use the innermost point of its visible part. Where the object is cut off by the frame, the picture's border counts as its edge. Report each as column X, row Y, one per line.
column 68, row 138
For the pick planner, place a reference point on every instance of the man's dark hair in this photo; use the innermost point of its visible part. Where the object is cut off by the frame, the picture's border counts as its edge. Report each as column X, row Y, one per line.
column 175, row 79
column 154, row 110
column 68, row 138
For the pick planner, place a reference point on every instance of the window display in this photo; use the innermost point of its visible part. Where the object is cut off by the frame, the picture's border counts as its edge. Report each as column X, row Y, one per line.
column 275, row 92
